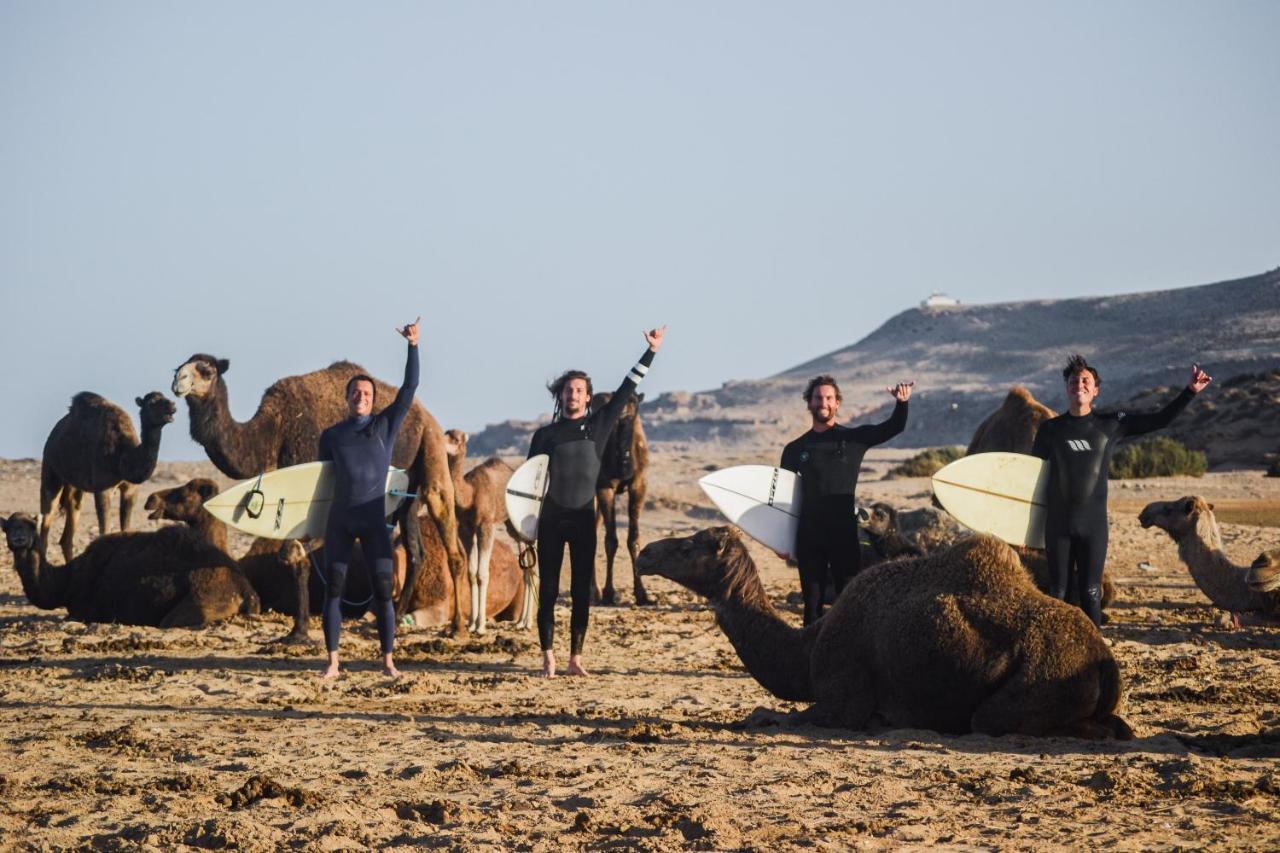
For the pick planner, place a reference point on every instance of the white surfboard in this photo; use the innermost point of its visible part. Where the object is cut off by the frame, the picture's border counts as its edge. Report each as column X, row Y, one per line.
column 761, row 499
column 1003, row 494
column 525, row 491
column 290, row 503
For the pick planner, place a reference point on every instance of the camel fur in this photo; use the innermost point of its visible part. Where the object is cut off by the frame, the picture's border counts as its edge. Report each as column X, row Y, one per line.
column 1190, row 522
column 957, row 641
column 622, row 469
column 285, row 430
column 167, row 578
column 1012, row 427
column 93, row 448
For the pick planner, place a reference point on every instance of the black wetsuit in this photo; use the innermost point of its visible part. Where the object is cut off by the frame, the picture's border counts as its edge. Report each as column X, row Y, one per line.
column 360, row 449
column 568, row 515
column 828, row 463
column 1079, row 452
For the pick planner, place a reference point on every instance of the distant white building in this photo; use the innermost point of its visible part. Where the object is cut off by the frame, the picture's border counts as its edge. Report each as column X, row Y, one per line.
column 938, row 299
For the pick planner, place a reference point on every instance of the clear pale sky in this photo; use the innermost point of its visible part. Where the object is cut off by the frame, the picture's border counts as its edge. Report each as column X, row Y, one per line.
column 282, row 183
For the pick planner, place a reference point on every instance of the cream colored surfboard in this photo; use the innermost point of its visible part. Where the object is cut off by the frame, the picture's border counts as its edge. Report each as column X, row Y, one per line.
column 525, row 491
column 761, row 499
column 290, row 503
column 1003, row 494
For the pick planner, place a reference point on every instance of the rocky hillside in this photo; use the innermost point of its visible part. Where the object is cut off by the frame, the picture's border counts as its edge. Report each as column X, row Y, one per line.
column 965, row 357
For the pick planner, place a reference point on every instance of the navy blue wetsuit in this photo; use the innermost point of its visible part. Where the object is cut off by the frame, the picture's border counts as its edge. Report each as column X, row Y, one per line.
column 828, row 463
column 568, row 517
column 1079, row 453
column 360, row 448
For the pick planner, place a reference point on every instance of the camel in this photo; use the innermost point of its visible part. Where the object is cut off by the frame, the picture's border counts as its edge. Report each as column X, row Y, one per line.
column 622, row 469
column 480, row 503
column 1190, row 522
column 169, row 578
column 956, row 641
column 271, row 565
column 285, row 430
column 1012, row 427
column 93, row 448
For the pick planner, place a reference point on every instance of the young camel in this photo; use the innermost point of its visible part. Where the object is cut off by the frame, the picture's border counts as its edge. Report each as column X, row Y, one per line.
column 1190, row 522
column 955, row 641
column 93, row 448
column 479, row 497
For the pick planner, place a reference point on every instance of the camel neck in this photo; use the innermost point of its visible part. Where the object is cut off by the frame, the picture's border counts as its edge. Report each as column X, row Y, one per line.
column 463, row 492
column 1223, row 582
column 776, row 654
column 138, row 463
column 237, row 450
column 45, row 585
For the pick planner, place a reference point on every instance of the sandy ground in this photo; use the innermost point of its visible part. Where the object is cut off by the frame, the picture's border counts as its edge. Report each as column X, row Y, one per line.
column 125, row 737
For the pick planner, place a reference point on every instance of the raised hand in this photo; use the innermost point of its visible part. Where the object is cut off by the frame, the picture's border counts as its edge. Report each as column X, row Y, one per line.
column 654, row 337
column 1199, row 379
column 410, row 332
column 902, row 391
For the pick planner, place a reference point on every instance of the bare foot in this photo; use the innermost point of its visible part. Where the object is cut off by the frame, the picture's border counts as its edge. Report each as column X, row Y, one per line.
column 575, row 666
column 548, row 665
column 330, row 671
column 389, row 667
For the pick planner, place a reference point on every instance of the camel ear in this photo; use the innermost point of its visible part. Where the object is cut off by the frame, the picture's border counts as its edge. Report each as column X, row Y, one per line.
column 1210, row 507
column 4, row 524
column 223, row 365
column 137, row 400
column 206, row 490
column 640, row 398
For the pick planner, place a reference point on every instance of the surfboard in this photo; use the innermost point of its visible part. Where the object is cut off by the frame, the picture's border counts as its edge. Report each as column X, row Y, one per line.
column 290, row 503
column 1003, row 494
column 761, row 499
column 525, row 491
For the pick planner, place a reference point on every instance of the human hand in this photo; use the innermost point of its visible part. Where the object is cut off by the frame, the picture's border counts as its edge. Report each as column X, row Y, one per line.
column 654, row 337
column 410, row 332
column 1199, row 379
column 902, row 391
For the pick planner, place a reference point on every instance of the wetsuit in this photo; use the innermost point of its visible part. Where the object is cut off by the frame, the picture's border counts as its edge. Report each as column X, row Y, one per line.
column 360, row 448
column 828, row 463
column 568, row 516
column 1079, row 453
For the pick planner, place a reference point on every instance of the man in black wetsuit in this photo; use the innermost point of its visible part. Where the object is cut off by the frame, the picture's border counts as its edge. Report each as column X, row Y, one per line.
column 1078, row 446
column 828, row 458
column 360, row 449
column 575, row 441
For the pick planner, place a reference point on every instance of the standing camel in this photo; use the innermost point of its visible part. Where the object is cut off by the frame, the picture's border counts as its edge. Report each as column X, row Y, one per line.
column 285, row 430
column 480, row 502
column 626, row 459
column 93, row 448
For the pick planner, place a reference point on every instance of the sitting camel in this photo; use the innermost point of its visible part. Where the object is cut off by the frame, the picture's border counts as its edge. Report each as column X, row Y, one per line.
column 1189, row 521
column 168, row 578
column 93, row 448
column 956, row 641
column 285, row 430
column 480, row 501
column 272, row 566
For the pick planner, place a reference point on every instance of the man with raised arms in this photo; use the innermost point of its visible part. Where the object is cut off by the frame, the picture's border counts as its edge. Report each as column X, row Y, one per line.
column 828, row 459
column 575, row 441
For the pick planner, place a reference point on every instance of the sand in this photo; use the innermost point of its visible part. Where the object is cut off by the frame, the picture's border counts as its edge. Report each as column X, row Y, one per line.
column 125, row 737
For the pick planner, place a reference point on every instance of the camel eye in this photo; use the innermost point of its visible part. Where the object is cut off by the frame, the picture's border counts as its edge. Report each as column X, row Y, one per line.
column 1187, row 507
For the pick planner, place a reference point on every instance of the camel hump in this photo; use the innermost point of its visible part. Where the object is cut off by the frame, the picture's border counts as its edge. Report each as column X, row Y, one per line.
column 87, row 401
column 345, row 366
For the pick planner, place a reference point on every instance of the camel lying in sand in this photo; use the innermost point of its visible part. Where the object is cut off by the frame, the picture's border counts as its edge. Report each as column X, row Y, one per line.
column 1190, row 522
column 957, row 641
column 166, row 578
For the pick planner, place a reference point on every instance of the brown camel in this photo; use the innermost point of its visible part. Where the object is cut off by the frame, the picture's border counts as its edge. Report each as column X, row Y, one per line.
column 622, row 469
column 286, row 431
column 956, row 641
column 1190, row 522
column 271, row 566
column 93, row 448
column 480, row 501
column 1012, row 427
column 168, row 578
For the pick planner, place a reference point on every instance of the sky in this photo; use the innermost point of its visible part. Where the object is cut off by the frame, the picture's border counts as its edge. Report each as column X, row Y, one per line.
column 283, row 183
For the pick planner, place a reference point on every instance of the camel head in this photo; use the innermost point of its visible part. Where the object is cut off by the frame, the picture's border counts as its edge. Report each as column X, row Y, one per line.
column 879, row 519
column 155, row 409
column 455, row 442
column 711, row 562
column 1264, row 574
column 1183, row 517
column 182, row 503
column 629, row 409
column 20, row 531
column 293, row 554
column 198, row 376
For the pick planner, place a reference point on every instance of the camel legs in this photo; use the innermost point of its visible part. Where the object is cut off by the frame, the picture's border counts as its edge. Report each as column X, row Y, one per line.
column 606, row 509
column 529, row 602
column 50, row 496
column 414, row 554
column 216, row 594
column 482, row 551
column 635, row 503
column 301, row 571
column 71, row 501
column 468, row 536
column 128, row 495
column 102, row 506
column 440, row 509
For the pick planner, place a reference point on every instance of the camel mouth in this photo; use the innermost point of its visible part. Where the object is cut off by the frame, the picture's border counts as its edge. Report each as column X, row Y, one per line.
column 1145, row 520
